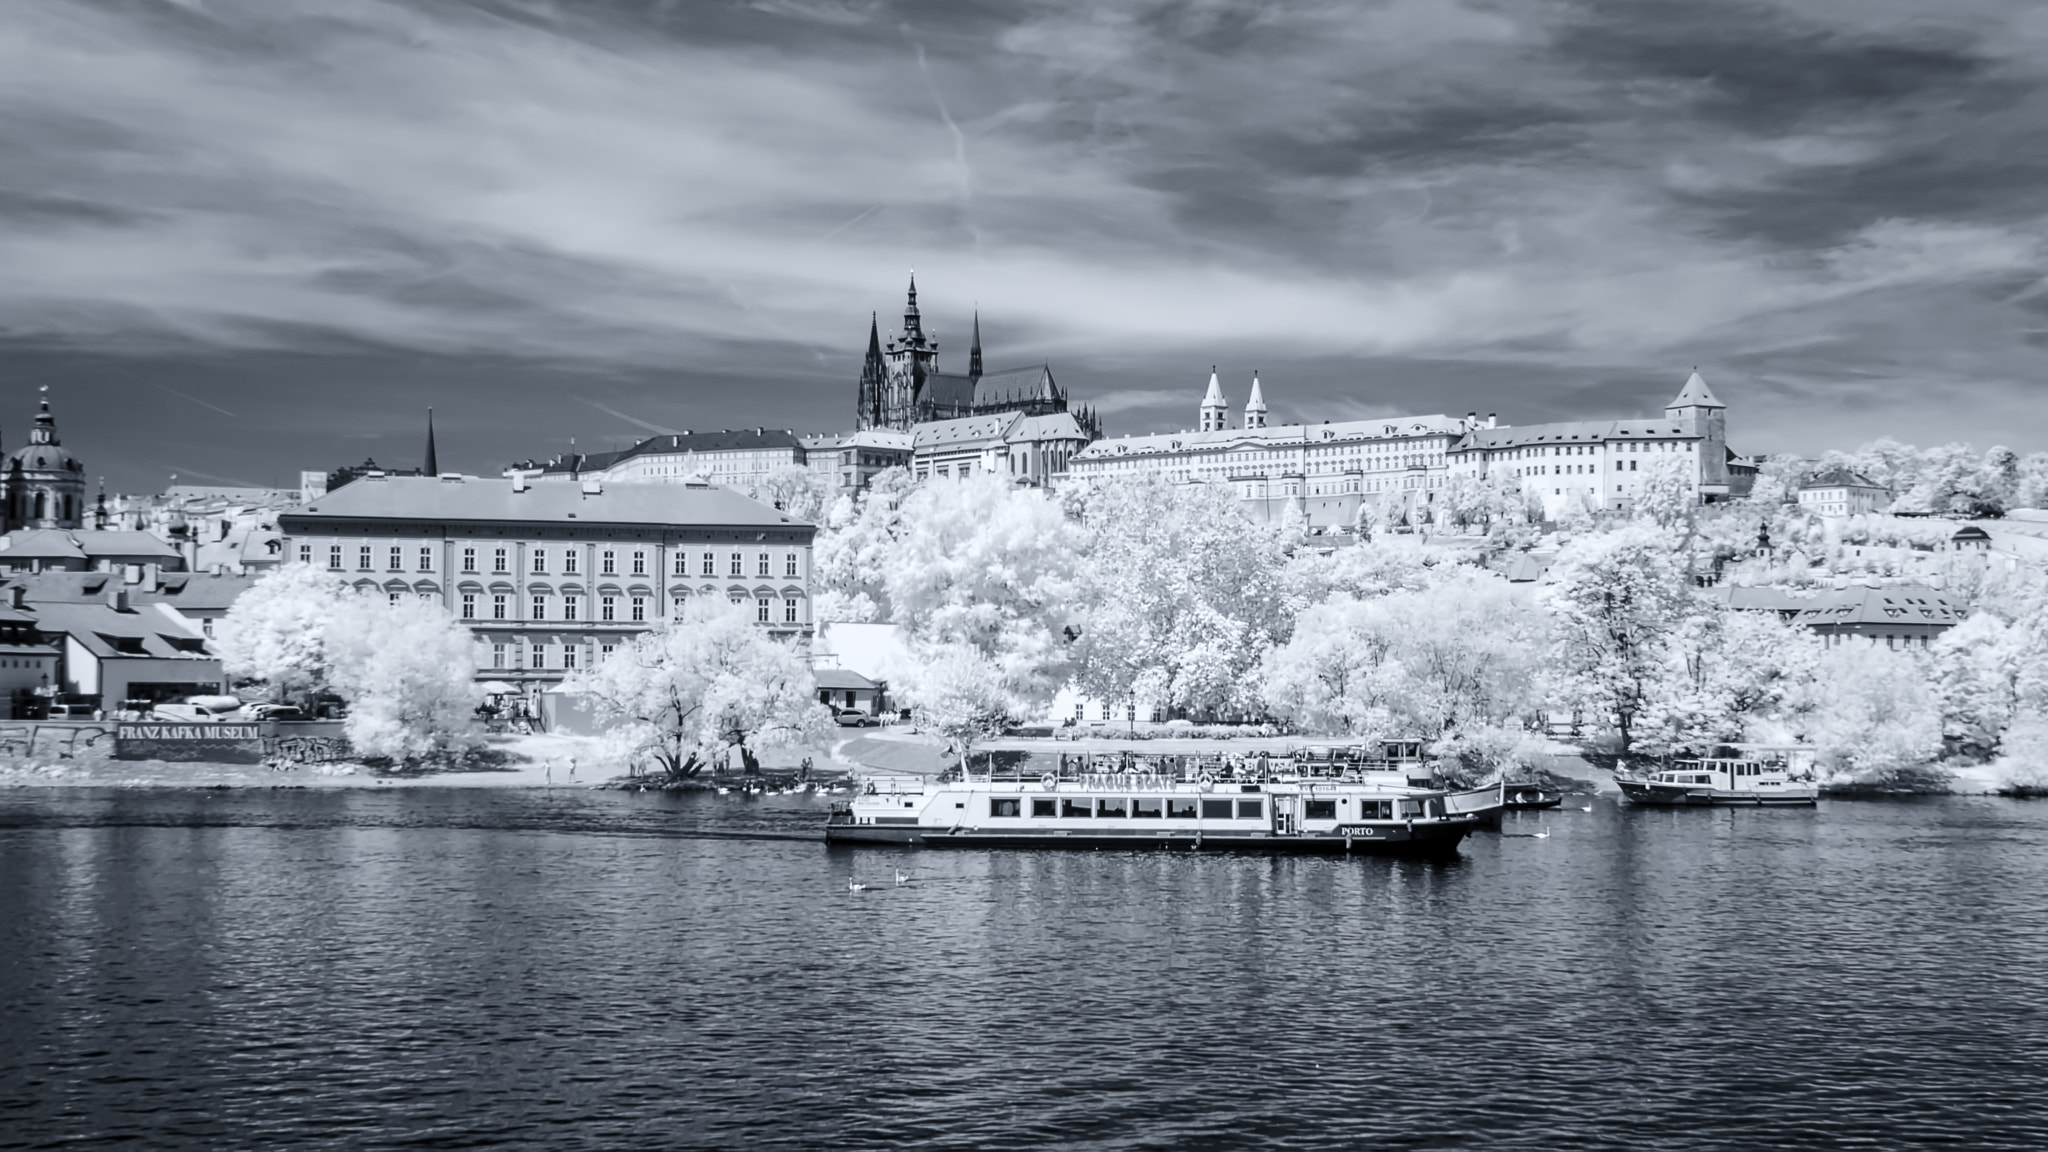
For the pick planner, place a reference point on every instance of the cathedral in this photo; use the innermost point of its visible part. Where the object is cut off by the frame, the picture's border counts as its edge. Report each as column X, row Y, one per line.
column 901, row 385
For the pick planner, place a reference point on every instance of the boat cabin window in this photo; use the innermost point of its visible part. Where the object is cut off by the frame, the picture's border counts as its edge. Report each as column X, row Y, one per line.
column 1320, row 810
column 1215, row 809
column 1178, row 809
column 1250, row 809
column 1118, row 807
column 1145, row 807
column 1375, row 809
column 1005, row 806
column 1411, row 807
column 1043, row 806
column 1072, row 807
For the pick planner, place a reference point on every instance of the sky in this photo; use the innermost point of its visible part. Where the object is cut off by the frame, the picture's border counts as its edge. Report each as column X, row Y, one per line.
column 241, row 238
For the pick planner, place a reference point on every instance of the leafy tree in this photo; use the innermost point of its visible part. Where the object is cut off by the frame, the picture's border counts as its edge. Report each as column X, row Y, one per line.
column 700, row 684
column 1727, row 673
column 1615, row 599
column 405, row 668
column 800, row 491
column 956, row 691
column 278, row 631
column 1179, row 595
column 853, row 550
column 1872, row 718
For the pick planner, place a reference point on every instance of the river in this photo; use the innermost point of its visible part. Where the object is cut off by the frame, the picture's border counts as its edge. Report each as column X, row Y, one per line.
column 571, row 969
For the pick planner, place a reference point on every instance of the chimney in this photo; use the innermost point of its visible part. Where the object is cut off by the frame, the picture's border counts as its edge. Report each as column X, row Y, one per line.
column 17, row 596
column 117, row 597
column 1490, row 421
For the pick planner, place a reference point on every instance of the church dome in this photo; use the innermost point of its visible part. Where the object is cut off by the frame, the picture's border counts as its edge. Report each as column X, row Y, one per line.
column 45, row 458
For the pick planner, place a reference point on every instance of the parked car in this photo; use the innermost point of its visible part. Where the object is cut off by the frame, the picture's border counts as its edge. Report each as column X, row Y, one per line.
column 201, row 710
column 851, row 718
column 273, row 712
column 71, row 711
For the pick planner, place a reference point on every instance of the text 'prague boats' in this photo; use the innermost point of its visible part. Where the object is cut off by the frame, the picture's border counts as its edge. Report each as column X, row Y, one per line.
column 1746, row 776
column 1124, row 801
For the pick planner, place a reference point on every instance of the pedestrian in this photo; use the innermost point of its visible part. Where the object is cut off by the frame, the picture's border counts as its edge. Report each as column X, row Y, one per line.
column 572, row 767
column 548, row 766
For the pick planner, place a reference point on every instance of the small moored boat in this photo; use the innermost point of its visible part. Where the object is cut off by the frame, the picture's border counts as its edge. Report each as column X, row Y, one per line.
column 1748, row 775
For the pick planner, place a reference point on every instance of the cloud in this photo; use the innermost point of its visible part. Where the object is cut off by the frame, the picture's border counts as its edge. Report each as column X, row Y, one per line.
column 1133, row 188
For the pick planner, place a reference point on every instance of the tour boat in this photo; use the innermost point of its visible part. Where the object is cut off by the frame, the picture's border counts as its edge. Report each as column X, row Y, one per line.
column 1262, row 804
column 1754, row 775
column 1527, row 797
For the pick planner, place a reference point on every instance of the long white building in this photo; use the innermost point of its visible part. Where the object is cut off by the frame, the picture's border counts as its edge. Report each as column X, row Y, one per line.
column 1403, row 464
column 1323, row 470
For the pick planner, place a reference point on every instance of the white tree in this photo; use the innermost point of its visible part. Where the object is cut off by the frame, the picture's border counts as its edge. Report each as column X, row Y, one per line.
column 956, row 691
column 1455, row 663
column 1669, row 496
column 1975, row 669
column 982, row 563
column 408, row 672
column 854, row 549
column 800, row 491
column 1727, row 674
column 278, row 630
column 1616, row 599
column 1180, row 595
column 1873, row 719
column 700, row 684
column 405, row 668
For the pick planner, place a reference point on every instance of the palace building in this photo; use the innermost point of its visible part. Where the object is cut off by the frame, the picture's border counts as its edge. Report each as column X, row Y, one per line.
column 551, row 578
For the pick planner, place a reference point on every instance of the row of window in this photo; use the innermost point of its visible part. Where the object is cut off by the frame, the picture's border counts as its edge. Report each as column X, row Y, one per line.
column 569, row 559
column 1176, row 808
column 609, row 608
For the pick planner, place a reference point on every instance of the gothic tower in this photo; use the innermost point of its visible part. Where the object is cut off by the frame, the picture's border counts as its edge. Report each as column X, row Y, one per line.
column 974, row 353
column 874, row 382
column 913, row 356
column 1255, row 408
column 1704, row 414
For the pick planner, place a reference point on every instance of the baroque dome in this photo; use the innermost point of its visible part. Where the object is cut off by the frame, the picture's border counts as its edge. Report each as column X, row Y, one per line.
column 45, row 458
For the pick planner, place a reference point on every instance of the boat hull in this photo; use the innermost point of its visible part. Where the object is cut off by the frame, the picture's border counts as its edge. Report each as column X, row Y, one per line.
column 1435, row 839
column 1705, row 796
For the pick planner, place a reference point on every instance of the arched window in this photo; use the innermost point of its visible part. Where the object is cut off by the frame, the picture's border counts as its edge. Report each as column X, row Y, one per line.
column 42, row 505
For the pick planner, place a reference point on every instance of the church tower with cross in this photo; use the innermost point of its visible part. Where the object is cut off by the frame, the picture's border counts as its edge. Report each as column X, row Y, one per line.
column 44, row 485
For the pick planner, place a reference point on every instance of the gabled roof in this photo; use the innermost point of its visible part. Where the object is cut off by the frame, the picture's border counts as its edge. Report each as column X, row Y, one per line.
column 1839, row 478
column 125, row 544
column 40, row 544
column 478, row 500
column 108, row 632
column 62, row 587
column 195, row 592
column 842, row 679
column 1695, row 394
column 724, row 440
column 1051, row 426
column 965, row 430
column 1017, row 386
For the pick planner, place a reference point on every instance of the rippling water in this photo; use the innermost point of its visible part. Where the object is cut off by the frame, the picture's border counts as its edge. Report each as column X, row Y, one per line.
column 598, row 970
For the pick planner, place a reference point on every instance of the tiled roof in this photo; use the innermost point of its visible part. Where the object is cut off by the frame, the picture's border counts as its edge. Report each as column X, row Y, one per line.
column 966, row 430
column 482, row 500
column 724, row 440
column 1695, row 394
column 1838, row 478
column 1573, row 432
column 1016, row 386
column 841, row 679
column 1906, row 604
column 106, row 631
column 1273, row 436
column 195, row 591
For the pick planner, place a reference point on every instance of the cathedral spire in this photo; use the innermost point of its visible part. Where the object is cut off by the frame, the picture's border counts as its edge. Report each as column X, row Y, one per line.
column 1255, row 408
column 913, row 326
column 1215, row 409
column 874, row 381
column 433, row 465
column 974, row 353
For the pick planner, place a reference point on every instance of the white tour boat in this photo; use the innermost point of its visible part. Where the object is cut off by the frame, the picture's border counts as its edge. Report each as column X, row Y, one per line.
column 1128, row 801
column 1754, row 774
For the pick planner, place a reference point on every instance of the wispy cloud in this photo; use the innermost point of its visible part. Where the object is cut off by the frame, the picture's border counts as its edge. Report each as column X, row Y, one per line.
column 1134, row 189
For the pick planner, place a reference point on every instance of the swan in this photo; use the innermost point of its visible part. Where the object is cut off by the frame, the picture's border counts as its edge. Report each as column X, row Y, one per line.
column 901, row 878
column 1543, row 835
column 1586, row 808
column 852, row 887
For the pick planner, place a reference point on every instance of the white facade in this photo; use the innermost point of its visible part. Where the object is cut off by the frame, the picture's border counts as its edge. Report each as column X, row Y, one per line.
column 1030, row 449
